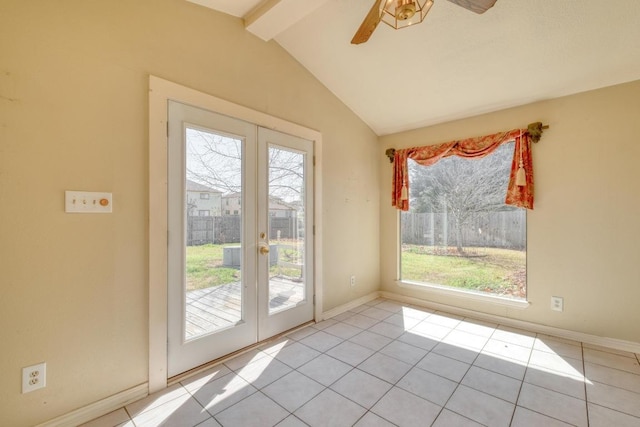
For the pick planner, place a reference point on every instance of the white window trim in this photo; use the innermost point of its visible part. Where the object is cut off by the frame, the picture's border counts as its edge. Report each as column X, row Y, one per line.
column 433, row 289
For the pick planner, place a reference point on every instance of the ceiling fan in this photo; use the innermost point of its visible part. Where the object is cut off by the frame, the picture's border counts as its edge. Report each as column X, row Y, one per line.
column 401, row 13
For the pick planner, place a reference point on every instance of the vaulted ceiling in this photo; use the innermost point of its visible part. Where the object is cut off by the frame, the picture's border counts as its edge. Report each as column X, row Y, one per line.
column 456, row 63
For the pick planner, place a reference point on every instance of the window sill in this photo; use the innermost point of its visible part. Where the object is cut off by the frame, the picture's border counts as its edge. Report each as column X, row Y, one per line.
column 440, row 290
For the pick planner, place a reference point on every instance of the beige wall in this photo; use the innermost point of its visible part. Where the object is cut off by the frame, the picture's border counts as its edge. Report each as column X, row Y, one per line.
column 73, row 116
column 583, row 236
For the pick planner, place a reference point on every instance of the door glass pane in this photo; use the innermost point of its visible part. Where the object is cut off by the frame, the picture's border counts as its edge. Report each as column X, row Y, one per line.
column 213, row 206
column 286, row 228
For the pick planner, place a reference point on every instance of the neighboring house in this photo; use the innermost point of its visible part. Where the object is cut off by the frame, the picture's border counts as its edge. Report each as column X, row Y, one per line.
column 281, row 209
column 203, row 200
column 232, row 205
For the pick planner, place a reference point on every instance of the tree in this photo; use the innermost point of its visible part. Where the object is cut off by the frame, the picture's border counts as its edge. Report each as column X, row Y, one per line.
column 461, row 187
column 216, row 160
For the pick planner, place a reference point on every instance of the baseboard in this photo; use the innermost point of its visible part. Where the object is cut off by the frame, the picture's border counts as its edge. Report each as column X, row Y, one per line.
column 348, row 306
column 99, row 408
column 613, row 343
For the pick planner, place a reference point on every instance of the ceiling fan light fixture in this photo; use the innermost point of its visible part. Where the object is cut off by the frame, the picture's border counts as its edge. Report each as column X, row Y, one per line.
column 404, row 13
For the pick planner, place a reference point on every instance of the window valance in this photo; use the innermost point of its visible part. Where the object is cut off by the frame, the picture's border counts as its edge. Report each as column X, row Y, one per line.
column 520, row 189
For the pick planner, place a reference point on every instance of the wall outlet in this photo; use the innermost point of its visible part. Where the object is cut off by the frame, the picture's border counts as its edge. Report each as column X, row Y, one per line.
column 34, row 377
column 557, row 303
column 352, row 281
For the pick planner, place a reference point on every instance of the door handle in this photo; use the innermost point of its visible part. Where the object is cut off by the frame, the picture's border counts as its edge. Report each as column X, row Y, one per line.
column 264, row 250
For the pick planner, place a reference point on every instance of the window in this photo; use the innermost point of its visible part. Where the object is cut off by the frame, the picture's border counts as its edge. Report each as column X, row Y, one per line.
column 204, row 196
column 204, row 213
column 235, row 212
column 459, row 233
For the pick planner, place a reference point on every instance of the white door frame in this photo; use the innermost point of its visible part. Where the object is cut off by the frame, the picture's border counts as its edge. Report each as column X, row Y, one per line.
column 160, row 92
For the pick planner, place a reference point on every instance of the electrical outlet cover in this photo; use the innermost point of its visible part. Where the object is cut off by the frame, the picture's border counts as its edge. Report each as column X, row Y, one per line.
column 34, row 377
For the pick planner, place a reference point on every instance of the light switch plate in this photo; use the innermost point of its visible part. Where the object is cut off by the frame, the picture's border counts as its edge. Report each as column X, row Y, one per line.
column 87, row 202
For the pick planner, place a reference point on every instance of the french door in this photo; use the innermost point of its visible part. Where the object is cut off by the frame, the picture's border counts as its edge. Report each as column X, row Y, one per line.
column 240, row 218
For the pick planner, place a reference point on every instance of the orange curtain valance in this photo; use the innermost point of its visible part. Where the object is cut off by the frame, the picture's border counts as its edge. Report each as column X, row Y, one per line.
column 519, row 190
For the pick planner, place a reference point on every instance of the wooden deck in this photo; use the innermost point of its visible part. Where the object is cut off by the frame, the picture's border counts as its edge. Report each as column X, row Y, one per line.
column 219, row 307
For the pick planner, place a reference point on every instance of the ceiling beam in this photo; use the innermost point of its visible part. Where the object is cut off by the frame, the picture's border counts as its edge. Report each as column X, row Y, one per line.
column 271, row 17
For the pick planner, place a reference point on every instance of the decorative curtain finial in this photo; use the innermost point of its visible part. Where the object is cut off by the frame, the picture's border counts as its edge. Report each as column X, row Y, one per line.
column 390, row 153
column 535, row 130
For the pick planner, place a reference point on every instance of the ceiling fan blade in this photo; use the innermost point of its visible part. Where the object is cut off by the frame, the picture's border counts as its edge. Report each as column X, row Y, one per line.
column 477, row 6
column 369, row 24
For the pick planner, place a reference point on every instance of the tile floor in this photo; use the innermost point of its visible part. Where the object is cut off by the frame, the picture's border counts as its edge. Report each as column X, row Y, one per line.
column 389, row 364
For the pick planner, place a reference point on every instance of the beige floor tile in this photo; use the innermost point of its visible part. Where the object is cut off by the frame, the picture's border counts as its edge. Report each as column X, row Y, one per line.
column 321, row 341
column 514, row 336
column 419, row 341
column 293, row 390
column 614, row 398
column 497, row 385
column 370, row 340
column 384, row 367
column 256, row 410
column 562, row 383
column 184, row 411
column 350, row 352
column 613, row 377
column 502, row 365
column 296, row 355
column 451, row 419
column 405, row 409
column 325, row 369
column 218, row 395
column 555, row 405
column 329, row 409
column 429, row 386
column 507, row 350
column 561, row 348
column 291, row 421
column 263, row 372
column 444, row 366
column 612, row 360
column 372, row 420
column 604, row 417
column 524, row 417
column 404, row 352
column 376, row 313
column 481, row 407
column 343, row 330
column 361, row 387
column 477, row 327
column 360, row 321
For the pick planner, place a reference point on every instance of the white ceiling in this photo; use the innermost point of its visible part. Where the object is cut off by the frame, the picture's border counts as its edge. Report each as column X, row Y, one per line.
column 456, row 63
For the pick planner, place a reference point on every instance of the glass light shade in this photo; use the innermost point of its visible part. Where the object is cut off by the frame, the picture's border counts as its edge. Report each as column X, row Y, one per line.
column 404, row 13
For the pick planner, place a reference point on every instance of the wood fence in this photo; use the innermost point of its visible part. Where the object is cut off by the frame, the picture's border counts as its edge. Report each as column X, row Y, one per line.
column 506, row 229
column 226, row 229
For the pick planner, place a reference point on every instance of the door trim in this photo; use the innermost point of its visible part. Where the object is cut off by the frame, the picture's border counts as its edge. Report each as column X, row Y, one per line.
column 160, row 92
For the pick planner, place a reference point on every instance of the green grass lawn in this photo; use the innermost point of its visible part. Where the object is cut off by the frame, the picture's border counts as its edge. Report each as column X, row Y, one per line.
column 497, row 271
column 204, row 266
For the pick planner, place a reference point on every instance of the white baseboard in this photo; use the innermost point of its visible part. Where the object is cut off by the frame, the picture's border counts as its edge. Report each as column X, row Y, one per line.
column 99, row 408
column 348, row 306
column 613, row 343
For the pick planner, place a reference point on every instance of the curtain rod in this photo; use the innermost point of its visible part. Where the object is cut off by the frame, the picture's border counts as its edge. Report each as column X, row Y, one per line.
column 533, row 129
